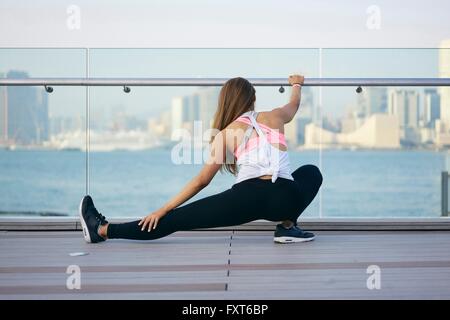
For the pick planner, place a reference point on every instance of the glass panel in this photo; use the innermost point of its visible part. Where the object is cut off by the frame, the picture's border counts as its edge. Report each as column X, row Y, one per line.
column 42, row 169
column 380, row 147
column 381, row 151
column 132, row 134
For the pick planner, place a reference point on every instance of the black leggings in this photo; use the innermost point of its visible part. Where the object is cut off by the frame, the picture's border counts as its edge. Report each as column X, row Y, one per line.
column 246, row 201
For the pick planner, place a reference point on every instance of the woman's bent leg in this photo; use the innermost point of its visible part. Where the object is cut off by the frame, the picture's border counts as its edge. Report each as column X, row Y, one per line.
column 309, row 180
column 227, row 208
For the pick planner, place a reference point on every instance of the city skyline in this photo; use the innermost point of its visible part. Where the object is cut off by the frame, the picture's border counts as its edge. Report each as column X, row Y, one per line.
column 422, row 114
column 224, row 63
column 416, row 128
column 24, row 115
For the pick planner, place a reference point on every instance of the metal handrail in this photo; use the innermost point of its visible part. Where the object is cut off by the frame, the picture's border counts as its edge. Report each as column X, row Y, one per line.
column 327, row 82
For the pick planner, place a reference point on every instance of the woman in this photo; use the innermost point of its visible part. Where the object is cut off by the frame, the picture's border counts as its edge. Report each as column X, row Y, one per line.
column 264, row 188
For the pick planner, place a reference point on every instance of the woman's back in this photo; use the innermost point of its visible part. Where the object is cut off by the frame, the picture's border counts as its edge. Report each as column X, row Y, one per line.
column 267, row 119
column 261, row 151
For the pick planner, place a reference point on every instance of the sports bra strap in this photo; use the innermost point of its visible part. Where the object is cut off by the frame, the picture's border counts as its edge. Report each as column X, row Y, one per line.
column 255, row 124
column 247, row 135
column 252, row 116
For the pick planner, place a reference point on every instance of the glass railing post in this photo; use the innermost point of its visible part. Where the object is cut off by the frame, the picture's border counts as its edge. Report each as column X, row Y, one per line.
column 87, row 124
column 444, row 193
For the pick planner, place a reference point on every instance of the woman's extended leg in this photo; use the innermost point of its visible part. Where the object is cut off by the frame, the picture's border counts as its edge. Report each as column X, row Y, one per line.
column 234, row 206
column 309, row 180
column 223, row 209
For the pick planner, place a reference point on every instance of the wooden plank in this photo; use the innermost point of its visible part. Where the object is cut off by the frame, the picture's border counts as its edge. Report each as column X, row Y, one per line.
column 190, row 295
column 72, row 223
column 413, row 264
column 232, row 267
column 10, row 279
column 110, row 288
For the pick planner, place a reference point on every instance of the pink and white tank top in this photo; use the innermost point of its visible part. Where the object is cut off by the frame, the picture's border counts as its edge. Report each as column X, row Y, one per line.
column 257, row 156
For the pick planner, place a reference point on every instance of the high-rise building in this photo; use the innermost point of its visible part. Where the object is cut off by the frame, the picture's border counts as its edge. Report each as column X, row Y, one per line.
column 27, row 113
column 444, row 72
column 42, row 118
column 405, row 105
column 372, row 100
column 207, row 99
column 295, row 130
column 442, row 125
column 431, row 107
column 185, row 110
column 178, row 116
column 199, row 106
column 193, row 107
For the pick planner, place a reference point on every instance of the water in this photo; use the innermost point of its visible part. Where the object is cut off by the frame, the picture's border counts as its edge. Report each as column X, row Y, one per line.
column 133, row 183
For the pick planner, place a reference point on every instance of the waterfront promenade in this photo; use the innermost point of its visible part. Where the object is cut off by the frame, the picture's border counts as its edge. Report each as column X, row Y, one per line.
column 233, row 263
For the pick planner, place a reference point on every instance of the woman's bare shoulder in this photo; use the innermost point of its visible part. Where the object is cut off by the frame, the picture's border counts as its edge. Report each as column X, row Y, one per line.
column 271, row 118
column 236, row 125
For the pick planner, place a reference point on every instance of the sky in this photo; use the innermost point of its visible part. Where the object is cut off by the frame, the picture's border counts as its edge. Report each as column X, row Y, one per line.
column 225, row 23
column 218, row 39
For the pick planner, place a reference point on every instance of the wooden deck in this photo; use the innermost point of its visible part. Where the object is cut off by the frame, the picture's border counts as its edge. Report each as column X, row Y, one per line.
column 230, row 264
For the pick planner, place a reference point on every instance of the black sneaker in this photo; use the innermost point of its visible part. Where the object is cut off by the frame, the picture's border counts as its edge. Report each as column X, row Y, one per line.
column 91, row 219
column 291, row 235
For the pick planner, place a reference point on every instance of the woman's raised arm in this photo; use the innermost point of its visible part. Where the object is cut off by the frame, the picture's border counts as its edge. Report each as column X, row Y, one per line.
column 287, row 112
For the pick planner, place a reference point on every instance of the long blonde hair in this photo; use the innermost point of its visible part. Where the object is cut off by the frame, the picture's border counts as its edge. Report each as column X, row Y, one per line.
column 236, row 97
